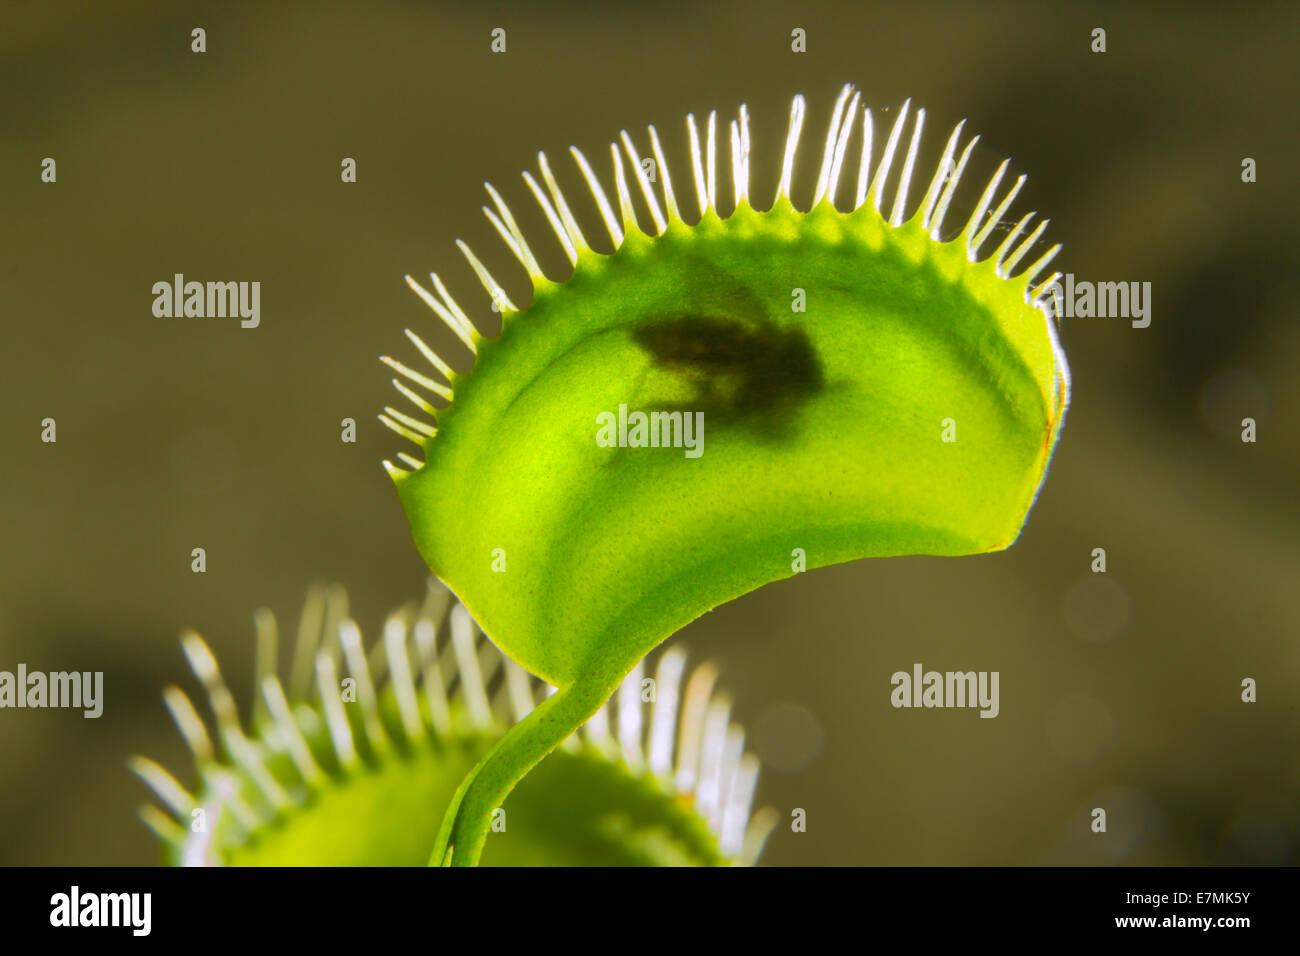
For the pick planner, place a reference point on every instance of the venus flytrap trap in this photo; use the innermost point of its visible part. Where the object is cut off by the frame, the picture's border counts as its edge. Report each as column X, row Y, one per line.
column 341, row 766
column 870, row 385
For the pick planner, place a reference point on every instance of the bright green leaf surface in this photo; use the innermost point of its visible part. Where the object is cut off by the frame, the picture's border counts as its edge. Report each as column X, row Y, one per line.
column 844, row 459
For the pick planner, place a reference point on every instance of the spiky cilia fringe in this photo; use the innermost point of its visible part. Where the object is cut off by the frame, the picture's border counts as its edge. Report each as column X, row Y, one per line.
column 684, row 739
column 870, row 192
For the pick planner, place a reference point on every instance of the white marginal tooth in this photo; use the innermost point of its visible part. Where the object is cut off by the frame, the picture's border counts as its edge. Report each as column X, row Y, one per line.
column 663, row 717
column 196, row 850
column 629, row 718
column 190, row 724
column 424, row 381
column 163, row 826
column 327, row 681
column 981, row 207
column 399, row 666
column 308, row 639
column 427, row 430
column 743, row 172
column 402, row 430
column 204, row 664
column 393, row 471
column 1044, row 286
column 864, row 165
column 504, row 232
column 740, row 798
column 336, row 611
column 494, row 290
column 519, row 689
column 797, row 108
column 418, row 426
column 828, row 151
column 711, row 156
column 226, row 787
column 1013, row 260
column 995, row 217
column 905, row 182
column 598, row 193
column 471, row 678
column 737, row 167
column 936, row 227
column 940, row 176
column 415, row 465
column 463, row 327
column 712, row 751
column 841, row 147
column 1000, row 252
column 561, row 204
column 670, row 199
column 699, row 688
column 697, row 166
column 514, row 236
column 733, row 749
column 415, row 397
column 887, row 159
column 455, row 321
column 624, row 197
column 1038, row 296
column 278, row 706
column 247, row 757
column 1038, row 267
column 650, row 200
column 756, row 834
column 164, row 785
column 566, row 241
column 350, row 638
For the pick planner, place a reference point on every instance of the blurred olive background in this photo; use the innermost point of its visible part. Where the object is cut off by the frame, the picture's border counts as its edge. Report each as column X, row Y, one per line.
column 1118, row 691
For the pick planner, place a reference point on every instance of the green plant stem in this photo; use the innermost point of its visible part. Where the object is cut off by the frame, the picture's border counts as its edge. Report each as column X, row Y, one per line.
column 468, row 819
